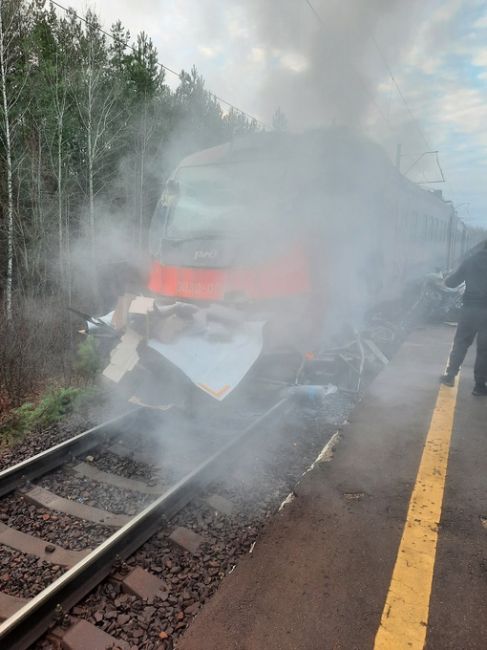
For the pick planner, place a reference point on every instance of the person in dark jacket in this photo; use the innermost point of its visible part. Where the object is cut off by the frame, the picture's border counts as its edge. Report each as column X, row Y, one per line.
column 472, row 321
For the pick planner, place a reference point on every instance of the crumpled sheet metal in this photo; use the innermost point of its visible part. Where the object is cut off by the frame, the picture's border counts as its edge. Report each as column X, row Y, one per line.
column 215, row 366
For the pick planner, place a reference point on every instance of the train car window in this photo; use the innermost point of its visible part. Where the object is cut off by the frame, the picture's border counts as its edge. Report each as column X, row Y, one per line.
column 415, row 227
column 401, row 217
column 412, row 226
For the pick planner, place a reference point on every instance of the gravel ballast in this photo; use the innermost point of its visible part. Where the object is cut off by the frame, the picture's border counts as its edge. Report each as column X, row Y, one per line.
column 266, row 472
column 263, row 477
column 23, row 575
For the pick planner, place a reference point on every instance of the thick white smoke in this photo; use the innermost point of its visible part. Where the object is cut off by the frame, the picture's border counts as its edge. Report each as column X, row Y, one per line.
column 320, row 59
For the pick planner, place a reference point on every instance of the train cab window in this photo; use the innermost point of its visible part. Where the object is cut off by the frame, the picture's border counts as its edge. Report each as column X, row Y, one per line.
column 226, row 198
column 157, row 227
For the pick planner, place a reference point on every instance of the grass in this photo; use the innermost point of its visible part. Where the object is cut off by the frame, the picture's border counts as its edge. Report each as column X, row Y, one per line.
column 52, row 407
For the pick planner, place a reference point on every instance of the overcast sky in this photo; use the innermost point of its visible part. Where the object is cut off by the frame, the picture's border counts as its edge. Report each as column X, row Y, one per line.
column 260, row 54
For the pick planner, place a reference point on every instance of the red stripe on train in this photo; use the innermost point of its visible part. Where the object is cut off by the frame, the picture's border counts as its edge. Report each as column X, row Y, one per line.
column 285, row 275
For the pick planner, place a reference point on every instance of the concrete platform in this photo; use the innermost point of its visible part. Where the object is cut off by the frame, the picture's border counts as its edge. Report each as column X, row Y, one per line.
column 325, row 571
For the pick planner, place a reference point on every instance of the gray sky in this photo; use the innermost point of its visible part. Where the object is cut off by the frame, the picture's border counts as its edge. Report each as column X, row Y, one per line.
column 260, row 54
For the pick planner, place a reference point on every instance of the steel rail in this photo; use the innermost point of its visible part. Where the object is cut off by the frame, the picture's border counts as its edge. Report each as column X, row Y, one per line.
column 23, row 628
column 16, row 476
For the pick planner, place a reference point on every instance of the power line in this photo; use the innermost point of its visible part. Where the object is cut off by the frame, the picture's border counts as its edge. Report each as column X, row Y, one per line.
column 399, row 91
column 408, row 108
column 396, row 84
column 319, row 18
column 389, row 70
column 161, row 65
column 317, row 15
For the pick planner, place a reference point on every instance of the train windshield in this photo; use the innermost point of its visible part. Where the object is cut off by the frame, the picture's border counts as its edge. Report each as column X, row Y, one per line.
column 230, row 198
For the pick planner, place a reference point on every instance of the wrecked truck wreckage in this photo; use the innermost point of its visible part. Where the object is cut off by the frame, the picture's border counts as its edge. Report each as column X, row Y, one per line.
column 262, row 249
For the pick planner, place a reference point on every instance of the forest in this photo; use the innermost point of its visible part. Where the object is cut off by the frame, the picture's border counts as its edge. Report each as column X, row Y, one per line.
column 89, row 127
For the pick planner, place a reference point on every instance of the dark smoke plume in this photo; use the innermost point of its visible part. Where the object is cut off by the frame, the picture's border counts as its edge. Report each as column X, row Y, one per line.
column 321, row 60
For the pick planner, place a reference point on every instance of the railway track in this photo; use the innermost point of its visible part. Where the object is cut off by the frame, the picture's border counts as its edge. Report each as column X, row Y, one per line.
column 86, row 568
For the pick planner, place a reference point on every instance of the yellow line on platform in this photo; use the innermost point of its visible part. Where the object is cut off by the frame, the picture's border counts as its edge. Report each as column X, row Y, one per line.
column 405, row 615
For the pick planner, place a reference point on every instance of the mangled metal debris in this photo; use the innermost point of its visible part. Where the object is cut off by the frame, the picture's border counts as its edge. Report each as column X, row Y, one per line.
column 346, row 364
column 213, row 346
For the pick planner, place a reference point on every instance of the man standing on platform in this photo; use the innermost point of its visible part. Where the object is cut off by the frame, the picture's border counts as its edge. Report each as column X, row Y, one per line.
column 472, row 321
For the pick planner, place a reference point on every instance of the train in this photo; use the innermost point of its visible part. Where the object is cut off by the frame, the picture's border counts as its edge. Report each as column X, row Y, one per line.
column 262, row 246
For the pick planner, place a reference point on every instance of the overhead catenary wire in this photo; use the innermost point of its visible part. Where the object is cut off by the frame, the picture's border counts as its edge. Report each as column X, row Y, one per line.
column 321, row 21
column 413, row 117
column 410, row 112
column 164, row 67
column 399, row 91
column 390, row 73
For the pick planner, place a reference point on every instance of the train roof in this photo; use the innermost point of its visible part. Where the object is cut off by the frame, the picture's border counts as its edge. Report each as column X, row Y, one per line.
column 333, row 148
column 273, row 144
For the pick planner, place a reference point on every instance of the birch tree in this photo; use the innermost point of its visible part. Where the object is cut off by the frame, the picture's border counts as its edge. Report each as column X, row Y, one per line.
column 101, row 119
column 57, row 77
column 11, row 91
column 91, row 109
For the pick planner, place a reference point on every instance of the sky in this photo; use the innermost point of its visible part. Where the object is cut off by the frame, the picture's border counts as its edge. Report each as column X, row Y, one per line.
column 408, row 72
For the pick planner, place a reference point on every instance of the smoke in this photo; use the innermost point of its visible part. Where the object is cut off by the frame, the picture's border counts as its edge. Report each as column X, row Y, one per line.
column 329, row 187
column 320, row 63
